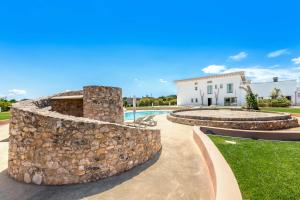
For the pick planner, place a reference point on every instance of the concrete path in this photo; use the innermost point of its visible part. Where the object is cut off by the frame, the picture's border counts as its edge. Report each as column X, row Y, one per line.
column 178, row 172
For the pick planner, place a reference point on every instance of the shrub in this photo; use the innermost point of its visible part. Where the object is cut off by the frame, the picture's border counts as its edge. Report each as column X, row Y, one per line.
column 251, row 101
column 279, row 102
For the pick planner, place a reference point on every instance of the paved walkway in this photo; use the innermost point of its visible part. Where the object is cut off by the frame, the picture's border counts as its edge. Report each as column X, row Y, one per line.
column 177, row 173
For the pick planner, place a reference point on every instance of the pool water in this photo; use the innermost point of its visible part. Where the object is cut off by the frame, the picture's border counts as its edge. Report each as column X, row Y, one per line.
column 138, row 114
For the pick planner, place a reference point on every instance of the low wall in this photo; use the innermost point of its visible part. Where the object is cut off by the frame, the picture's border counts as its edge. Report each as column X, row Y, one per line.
column 50, row 148
column 253, row 134
column 281, row 116
column 245, row 125
column 224, row 182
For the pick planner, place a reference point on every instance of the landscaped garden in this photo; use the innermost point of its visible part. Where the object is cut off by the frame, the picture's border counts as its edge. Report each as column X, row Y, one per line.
column 264, row 169
column 278, row 109
column 4, row 115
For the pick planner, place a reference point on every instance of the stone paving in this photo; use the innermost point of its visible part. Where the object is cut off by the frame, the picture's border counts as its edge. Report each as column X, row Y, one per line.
column 229, row 114
column 178, row 172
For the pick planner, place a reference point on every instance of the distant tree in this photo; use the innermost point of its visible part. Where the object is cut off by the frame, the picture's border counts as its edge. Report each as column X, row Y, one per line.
column 276, row 93
column 6, row 104
column 202, row 97
column 217, row 96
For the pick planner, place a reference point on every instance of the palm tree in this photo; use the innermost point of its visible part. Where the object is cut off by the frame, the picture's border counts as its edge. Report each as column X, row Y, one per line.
column 276, row 93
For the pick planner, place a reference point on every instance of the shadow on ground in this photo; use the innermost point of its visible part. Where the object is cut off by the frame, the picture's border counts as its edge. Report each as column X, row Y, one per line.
column 13, row 190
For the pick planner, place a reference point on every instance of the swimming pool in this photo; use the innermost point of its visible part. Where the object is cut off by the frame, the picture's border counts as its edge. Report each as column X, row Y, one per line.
column 129, row 115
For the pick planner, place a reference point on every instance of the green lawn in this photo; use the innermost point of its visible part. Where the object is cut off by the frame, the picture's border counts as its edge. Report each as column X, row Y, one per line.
column 288, row 110
column 4, row 115
column 264, row 169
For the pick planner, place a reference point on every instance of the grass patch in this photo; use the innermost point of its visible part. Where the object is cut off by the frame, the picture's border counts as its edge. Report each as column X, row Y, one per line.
column 158, row 108
column 264, row 169
column 287, row 110
column 4, row 115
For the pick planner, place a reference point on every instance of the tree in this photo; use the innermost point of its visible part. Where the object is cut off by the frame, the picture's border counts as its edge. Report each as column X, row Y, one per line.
column 276, row 93
column 251, row 99
column 217, row 96
column 202, row 97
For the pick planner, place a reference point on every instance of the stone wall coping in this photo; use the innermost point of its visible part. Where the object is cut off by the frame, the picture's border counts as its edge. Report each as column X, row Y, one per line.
column 280, row 116
column 96, row 86
column 31, row 106
column 224, row 182
column 246, row 125
column 67, row 97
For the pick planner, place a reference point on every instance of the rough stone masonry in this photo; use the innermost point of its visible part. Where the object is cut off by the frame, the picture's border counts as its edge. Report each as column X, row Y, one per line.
column 53, row 146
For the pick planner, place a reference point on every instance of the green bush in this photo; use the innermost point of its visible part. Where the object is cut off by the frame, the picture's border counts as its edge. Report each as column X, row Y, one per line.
column 251, row 101
column 279, row 102
column 6, row 104
column 160, row 101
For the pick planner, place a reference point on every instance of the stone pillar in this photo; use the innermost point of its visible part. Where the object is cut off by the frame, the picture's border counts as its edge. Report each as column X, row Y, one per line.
column 103, row 103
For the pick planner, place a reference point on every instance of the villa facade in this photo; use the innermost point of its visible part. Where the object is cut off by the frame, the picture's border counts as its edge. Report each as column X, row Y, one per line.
column 228, row 90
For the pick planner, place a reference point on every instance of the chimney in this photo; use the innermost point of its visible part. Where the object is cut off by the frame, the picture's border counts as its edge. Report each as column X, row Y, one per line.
column 275, row 79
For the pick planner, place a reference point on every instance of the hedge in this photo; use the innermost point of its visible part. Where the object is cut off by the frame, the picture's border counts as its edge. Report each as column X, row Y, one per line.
column 279, row 102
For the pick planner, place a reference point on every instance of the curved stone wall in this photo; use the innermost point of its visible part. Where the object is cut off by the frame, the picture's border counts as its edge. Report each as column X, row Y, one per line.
column 103, row 103
column 280, row 122
column 50, row 148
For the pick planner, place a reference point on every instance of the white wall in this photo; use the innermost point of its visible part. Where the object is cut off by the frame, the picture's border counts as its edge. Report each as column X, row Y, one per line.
column 287, row 88
column 186, row 90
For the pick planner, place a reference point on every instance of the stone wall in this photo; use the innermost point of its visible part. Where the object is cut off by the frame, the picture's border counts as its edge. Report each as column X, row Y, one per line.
column 50, row 148
column 103, row 103
column 245, row 125
column 72, row 107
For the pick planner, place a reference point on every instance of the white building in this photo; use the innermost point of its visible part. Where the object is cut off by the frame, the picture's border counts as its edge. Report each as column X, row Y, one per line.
column 227, row 90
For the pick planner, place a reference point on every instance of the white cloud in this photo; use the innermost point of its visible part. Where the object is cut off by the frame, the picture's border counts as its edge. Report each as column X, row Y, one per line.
column 262, row 73
column 239, row 56
column 296, row 60
column 214, row 69
column 16, row 92
column 277, row 53
column 162, row 81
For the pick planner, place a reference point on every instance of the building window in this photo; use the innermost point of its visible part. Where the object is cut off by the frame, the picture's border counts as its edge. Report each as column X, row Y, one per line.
column 196, row 88
column 192, row 100
column 230, row 88
column 216, row 86
column 196, row 83
column 230, row 101
column 196, row 100
column 209, row 81
column 221, row 86
column 209, row 89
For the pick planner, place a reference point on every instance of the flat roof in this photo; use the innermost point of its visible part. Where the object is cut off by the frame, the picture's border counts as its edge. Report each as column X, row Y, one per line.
column 240, row 73
column 274, row 82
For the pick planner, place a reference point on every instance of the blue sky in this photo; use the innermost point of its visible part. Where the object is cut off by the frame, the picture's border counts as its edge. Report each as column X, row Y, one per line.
column 142, row 46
